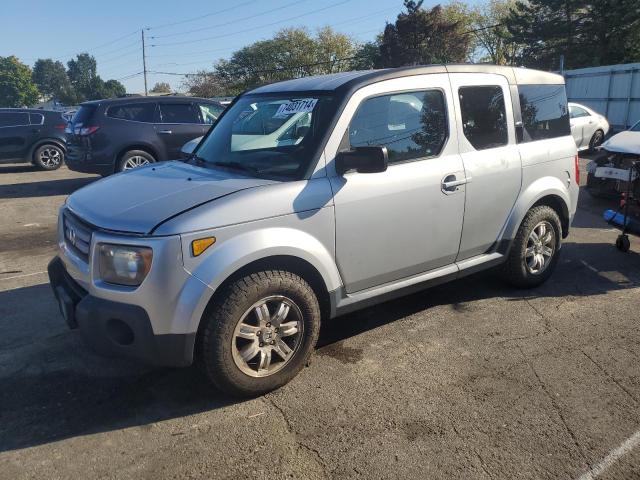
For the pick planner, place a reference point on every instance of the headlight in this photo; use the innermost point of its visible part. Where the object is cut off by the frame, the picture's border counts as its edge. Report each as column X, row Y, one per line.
column 124, row 264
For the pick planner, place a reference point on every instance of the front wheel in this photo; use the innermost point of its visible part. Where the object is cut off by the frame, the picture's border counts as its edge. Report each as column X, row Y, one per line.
column 535, row 250
column 259, row 333
column 48, row 157
column 596, row 139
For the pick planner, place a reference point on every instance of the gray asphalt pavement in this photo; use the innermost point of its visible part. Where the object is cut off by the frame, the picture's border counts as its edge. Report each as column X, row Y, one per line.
column 472, row 379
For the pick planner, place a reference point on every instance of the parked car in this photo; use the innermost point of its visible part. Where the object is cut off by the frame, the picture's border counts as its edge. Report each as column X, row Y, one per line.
column 401, row 179
column 32, row 136
column 110, row 136
column 607, row 175
column 588, row 127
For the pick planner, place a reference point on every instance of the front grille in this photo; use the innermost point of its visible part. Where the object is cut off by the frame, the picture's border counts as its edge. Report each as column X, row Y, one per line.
column 77, row 235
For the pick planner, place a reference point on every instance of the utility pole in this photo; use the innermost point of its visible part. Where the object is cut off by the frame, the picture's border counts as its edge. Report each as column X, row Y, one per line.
column 144, row 63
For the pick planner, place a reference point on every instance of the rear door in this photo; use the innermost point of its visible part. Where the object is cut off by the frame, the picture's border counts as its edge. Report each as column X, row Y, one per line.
column 15, row 132
column 487, row 143
column 579, row 120
column 178, row 123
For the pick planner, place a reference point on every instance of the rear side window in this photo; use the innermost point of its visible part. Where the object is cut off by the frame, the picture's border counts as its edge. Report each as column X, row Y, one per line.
column 36, row 118
column 545, row 113
column 13, row 119
column 411, row 125
column 137, row 112
column 484, row 119
column 83, row 115
column 178, row 113
column 209, row 113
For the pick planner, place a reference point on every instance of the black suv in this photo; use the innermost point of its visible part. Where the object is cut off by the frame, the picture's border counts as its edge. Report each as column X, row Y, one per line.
column 32, row 136
column 108, row 136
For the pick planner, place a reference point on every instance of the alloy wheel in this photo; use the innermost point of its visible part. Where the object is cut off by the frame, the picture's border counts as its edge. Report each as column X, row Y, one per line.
column 540, row 248
column 134, row 162
column 50, row 157
column 267, row 336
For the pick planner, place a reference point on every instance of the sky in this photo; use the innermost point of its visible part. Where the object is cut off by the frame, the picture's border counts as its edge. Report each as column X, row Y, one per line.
column 180, row 37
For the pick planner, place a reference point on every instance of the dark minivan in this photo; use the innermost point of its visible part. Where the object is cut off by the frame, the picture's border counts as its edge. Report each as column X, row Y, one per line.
column 110, row 136
column 32, row 136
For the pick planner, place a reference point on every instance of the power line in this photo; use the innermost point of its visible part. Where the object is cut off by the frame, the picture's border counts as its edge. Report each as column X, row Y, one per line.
column 99, row 46
column 253, row 28
column 131, row 75
column 224, row 24
column 193, row 19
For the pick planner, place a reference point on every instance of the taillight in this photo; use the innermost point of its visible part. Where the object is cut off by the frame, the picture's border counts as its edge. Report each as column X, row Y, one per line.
column 84, row 131
column 577, row 170
column 60, row 126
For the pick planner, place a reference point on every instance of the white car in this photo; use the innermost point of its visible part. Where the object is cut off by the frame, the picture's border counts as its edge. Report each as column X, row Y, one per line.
column 625, row 142
column 587, row 127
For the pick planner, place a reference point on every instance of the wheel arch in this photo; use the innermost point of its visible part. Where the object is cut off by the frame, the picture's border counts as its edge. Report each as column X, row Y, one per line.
column 137, row 146
column 46, row 141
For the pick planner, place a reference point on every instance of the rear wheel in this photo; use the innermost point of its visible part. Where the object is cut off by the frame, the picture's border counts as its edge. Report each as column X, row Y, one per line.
column 48, row 157
column 134, row 159
column 534, row 253
column 259, row 333
column 596, row 139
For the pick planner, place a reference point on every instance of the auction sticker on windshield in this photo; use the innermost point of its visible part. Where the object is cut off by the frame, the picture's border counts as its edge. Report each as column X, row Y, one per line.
column 303, row 105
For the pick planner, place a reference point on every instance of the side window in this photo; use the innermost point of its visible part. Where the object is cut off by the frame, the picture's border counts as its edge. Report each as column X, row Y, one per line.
column 209, row 113
column 575, row 112
column 138, row 112
column 178, row 113
column 411, row 125
column 484, row 119
column 36, row 118
column 545, row 113
column 13, row 119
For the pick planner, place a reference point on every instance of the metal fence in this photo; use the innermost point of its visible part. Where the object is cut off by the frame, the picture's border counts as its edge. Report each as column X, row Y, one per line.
column 612, row 90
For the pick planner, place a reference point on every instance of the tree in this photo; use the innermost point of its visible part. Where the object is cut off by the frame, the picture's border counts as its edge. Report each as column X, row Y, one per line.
column 586, row 32
column 494, row 43
column 112, row 89
column 16, row 86
column 206, row 85
column 51, row 78
column 82, row 73
column 291, row 53
column 367, row 56
column 422, row 36
column 161, row 87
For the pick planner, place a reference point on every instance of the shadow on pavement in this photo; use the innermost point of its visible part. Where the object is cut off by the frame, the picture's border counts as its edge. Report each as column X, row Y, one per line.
column 45, row 188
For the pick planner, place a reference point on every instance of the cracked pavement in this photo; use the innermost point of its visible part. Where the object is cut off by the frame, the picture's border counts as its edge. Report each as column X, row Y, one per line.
column 471, row 379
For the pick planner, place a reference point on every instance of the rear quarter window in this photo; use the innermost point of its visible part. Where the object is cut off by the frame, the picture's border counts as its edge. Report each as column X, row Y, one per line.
column 136, row 112
column 36, row 118
column 545, row 113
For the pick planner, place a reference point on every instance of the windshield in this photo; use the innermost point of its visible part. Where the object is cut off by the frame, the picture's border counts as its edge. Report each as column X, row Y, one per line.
column 272, row 136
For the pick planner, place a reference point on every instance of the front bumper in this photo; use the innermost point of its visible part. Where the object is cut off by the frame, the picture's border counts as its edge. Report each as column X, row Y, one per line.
column 114, row 328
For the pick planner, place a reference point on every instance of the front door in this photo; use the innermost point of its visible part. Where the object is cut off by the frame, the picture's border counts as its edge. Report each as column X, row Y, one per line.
column 406, row 220
column 583, row 125
column 487, row 142
column 179, row 123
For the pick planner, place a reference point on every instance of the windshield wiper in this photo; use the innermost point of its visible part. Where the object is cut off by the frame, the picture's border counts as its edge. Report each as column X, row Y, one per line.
column 195, row 157
column 237, row 166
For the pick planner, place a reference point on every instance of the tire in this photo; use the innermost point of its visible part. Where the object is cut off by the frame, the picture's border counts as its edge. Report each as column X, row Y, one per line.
column 523, row 268
column 596, row 139
column 48, row 157
column 134, row 159
column 231, row 321
column 622, row 243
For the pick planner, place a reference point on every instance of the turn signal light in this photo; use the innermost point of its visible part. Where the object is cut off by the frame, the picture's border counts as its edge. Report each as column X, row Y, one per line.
column 577, row 160
column 199, row 246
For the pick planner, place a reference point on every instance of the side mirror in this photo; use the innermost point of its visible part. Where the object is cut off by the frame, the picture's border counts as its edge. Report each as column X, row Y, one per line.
column 363, row 160
column 188, row 148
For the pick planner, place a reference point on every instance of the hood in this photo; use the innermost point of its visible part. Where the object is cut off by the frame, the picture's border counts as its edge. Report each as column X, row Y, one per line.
column 138, row 200
column 624, row 142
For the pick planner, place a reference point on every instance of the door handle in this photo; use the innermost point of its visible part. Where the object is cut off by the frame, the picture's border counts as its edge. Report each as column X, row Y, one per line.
column 450, row 183
column 165, row 132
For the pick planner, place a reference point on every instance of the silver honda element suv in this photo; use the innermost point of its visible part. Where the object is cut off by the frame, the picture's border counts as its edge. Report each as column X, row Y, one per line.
column 311, row 198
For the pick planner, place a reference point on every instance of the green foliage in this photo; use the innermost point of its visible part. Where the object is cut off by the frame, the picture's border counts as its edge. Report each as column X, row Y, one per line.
column 161, row 87
column 586, row 32
column 51, row 78
column 494, row 43
column 419, row 36
column 16, row 87
column 289, row 54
